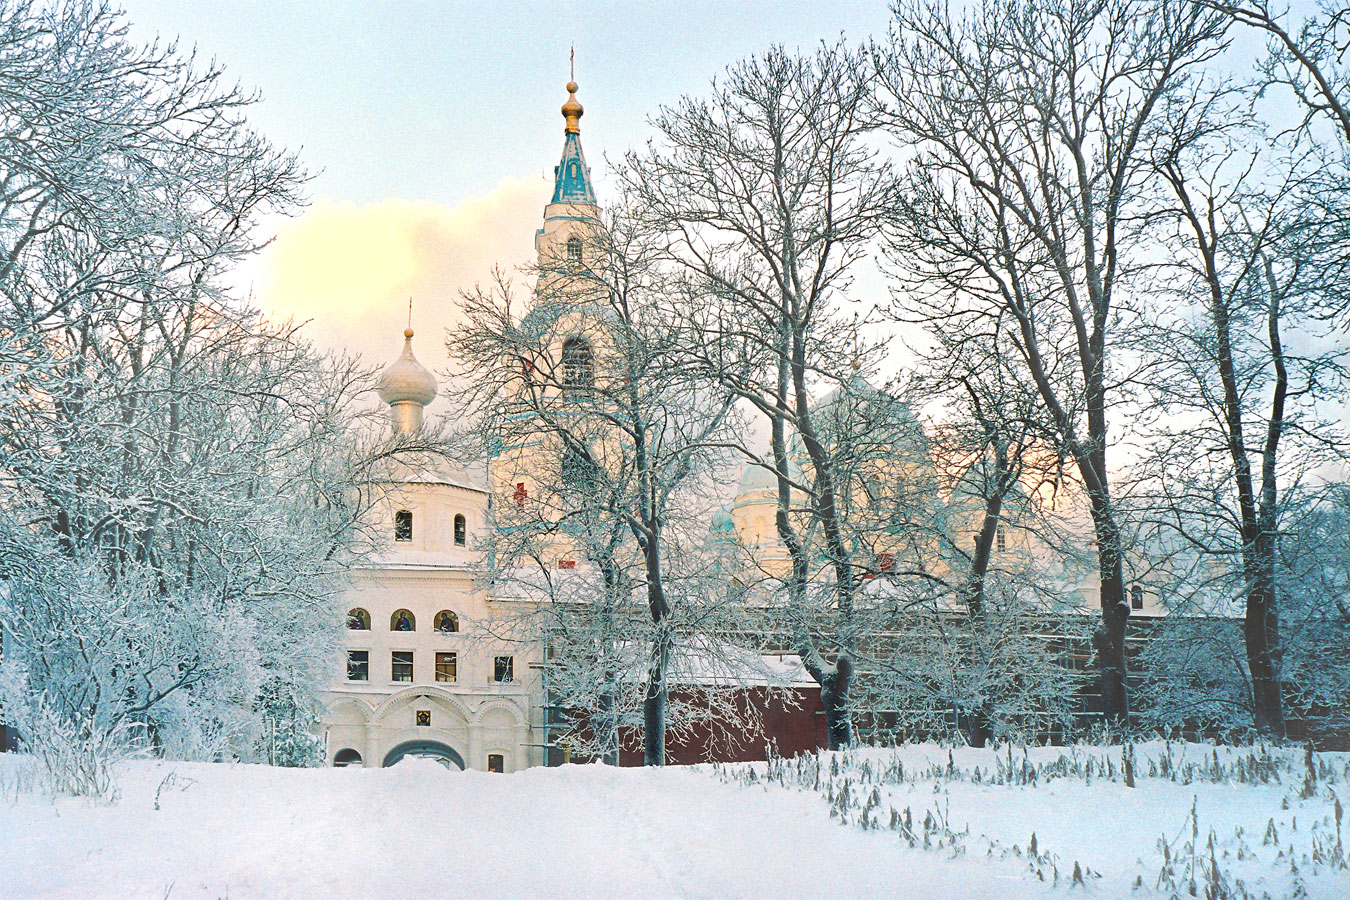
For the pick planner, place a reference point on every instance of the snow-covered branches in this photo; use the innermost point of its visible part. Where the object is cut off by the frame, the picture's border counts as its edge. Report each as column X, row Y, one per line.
column 178, row 480
column 594, row 412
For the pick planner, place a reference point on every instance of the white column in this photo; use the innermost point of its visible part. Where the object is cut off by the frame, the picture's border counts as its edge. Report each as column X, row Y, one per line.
column 372, row 754
column 524, row 758
column 475, row 760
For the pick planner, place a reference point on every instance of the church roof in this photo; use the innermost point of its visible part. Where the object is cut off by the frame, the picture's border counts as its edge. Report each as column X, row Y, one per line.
column 572, row 177
column 434, row 469
column 406, row 380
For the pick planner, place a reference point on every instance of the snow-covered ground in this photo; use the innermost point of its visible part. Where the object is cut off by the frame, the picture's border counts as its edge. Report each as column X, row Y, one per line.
column 820, row 827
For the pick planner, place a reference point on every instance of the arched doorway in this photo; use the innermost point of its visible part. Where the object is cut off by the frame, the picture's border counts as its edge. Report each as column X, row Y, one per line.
column 443, row 754
column 347, row 757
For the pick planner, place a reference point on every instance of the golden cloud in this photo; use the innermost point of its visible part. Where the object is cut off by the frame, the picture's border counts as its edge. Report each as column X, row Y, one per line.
column 348, row 269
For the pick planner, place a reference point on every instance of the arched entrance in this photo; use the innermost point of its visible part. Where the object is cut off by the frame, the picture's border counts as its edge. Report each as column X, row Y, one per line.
column 347, row 757
column 443, row 754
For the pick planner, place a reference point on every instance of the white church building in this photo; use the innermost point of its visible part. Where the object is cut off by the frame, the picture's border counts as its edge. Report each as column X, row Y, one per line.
column 424, row 676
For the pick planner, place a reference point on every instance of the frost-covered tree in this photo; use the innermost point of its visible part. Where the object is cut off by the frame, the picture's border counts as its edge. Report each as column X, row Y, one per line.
column 180, row 483
column 766, row 194
column 985, row 637
column 168, row 572
column 1247, row 352
column 1314, row 571
column 1028, row 127
column 1305, row 57
column 1197, row 674
column 590, row 393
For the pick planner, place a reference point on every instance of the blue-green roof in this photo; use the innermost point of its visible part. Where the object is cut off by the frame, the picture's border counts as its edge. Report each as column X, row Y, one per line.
column 572, row 177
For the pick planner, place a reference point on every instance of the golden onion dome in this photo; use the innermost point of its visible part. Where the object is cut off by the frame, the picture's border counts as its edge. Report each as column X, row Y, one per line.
column 406, row 380
column 572, row 110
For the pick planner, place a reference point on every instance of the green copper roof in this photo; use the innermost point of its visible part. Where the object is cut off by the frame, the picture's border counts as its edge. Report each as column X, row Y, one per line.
column 572, row 177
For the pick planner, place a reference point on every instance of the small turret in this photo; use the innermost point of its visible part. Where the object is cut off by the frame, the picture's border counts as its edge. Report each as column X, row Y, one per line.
column 407, row 386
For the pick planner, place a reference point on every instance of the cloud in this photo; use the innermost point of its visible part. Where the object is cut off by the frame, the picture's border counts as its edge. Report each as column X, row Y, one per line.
column 349, row 269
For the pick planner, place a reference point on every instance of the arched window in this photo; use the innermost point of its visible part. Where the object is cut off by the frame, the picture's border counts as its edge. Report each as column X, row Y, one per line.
column 578, row 364
column 402, row 620
column 1136, row 597
column 347, row 757
column 358, row 619
column 460, row 531
column 446, row 622
column 574, row 251
column 1001, row 539
column 403, row 525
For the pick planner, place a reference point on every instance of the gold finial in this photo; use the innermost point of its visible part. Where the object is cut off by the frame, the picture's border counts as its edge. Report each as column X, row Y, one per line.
column 572, row 110
column 408, row 332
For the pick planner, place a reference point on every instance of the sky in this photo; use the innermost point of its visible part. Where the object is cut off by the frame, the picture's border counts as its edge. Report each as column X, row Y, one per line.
column 432, row 129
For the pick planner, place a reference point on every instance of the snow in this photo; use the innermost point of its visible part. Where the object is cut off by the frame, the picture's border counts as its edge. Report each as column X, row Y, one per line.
column 244, row 831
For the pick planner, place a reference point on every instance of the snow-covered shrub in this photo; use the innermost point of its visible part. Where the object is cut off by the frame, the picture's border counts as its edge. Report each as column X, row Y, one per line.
column 288, row 734
column 1195, row 667
column 947, row 674
column 76, row 754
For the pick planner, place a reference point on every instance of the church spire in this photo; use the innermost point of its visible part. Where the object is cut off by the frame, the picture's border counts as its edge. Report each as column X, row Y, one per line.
column 572, row 216
column 572, row 177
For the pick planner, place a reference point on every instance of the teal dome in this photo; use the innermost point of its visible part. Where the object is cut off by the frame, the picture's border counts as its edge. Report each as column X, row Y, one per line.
column 757, row 479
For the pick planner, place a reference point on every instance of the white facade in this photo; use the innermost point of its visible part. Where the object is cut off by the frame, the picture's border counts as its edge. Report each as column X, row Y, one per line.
column 457, row 703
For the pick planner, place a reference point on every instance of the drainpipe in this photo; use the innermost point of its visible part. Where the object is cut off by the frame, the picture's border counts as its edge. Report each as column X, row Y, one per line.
column 547, row 706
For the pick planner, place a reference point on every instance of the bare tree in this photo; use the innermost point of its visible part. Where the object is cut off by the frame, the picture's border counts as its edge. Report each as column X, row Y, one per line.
column 595, row 380
column 766, row 195
column 1028, row 128
column 1307, row 59
column 994, row 457
column 1246, row 346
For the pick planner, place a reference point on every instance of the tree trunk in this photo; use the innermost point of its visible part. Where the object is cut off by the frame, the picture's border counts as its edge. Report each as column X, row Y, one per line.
column 980, row 730
column 608, row 731
column 654, row 703
column 1261, row 630
column 980, row 725
column 1109, row 640
column 834, row 697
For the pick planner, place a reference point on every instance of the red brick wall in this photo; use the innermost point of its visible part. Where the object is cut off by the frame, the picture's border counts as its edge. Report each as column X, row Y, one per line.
column 795, row 730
